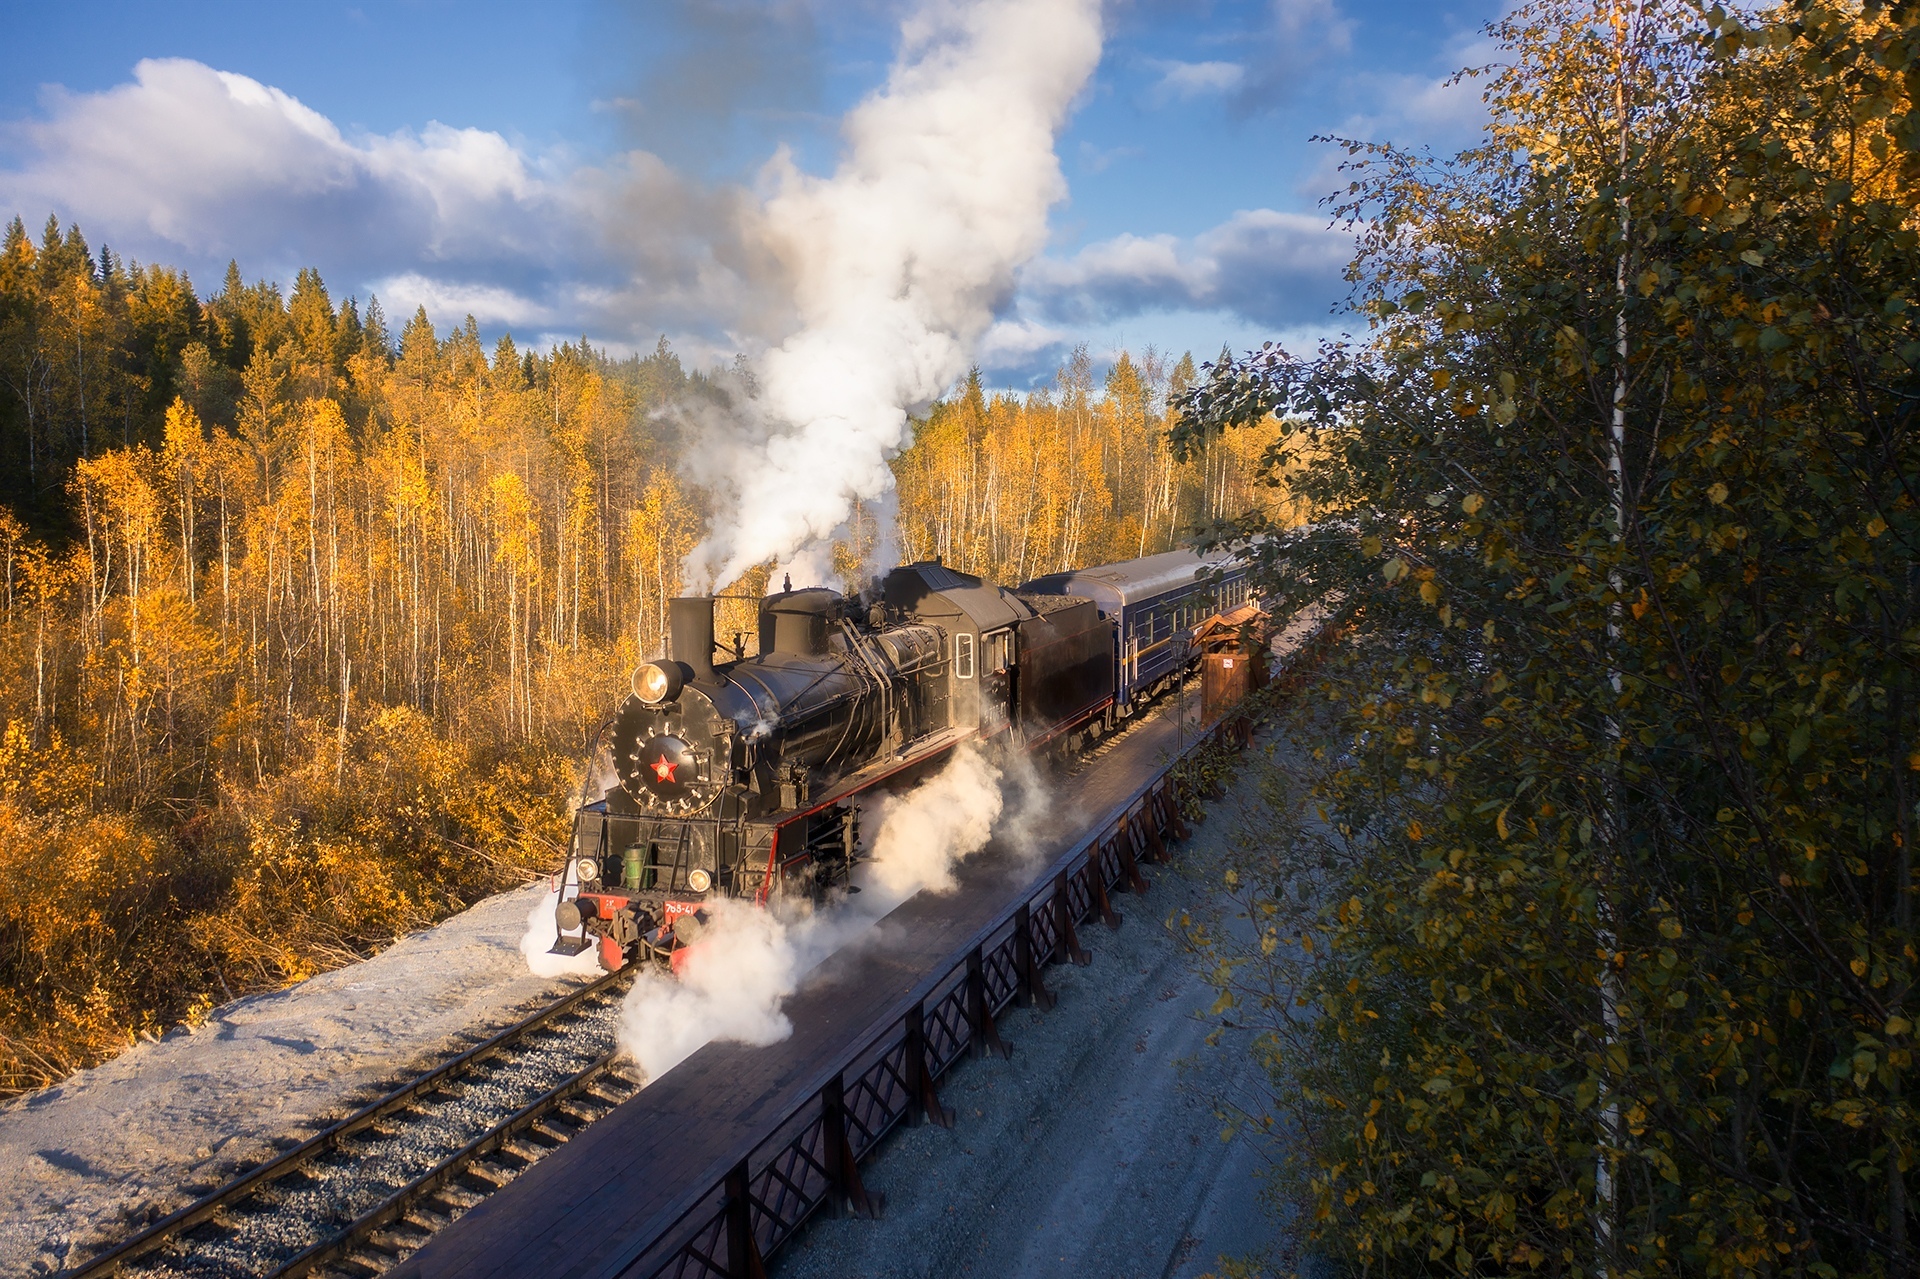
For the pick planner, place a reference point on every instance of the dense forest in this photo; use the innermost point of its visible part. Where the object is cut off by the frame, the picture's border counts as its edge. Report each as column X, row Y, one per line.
column 1594, row 861
column 305, row 622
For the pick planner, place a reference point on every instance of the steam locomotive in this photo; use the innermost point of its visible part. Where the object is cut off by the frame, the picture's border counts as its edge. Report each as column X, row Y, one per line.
column 747, row 778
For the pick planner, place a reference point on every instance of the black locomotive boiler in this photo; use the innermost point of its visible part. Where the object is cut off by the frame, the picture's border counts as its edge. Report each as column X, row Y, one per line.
column 747, row 778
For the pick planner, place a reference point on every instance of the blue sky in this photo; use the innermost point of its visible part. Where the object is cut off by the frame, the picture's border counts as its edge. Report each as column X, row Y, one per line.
column 555, row 169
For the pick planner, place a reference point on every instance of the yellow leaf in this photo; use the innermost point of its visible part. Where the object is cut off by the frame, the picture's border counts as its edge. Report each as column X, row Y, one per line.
column 1430, row 592
column 1500, row 823
column 1441, row 377
column 1716, row 492
column 1876, row 526
column 1472, row 503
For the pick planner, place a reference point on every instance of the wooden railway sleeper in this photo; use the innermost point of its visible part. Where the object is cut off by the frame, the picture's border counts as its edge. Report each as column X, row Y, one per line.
column 471, row 1161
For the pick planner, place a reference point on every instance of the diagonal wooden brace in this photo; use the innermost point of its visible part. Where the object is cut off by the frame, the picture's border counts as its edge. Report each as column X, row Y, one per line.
column 1097, row 886
column 1029, row 988
column 1177, row 828
column 1129, row 869
column 984, row 1034
column 1068, row 943
column 1150, row 822
column 923, row 1099
column 1176, row 820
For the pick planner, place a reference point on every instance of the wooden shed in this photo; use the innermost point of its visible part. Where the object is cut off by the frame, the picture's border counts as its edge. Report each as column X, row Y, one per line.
column 1233, row 657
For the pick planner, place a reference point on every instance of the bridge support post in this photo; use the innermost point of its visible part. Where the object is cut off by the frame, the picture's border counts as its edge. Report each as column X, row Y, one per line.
column 844, row 1188
column 1129, row 869
column 1097, row 885
column 1028, row 988
column 1067, row 941
column 983, row 1034
column 743, row 1252
column 923, row 1101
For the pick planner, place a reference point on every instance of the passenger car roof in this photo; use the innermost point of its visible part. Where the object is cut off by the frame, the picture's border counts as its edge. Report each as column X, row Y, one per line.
column 1131, row 581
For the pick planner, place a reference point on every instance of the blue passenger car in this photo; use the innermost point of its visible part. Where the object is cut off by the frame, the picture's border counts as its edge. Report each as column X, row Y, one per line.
column 1154, row 603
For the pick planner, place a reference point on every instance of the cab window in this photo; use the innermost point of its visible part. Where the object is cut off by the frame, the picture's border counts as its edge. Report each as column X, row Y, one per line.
column 995, row 655
column 963, row 656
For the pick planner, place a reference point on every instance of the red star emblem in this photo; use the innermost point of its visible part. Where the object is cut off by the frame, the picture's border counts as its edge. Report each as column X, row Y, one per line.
column 663, row 768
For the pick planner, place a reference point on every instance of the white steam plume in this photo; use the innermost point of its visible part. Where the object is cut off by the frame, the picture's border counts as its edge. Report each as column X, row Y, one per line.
column 735, row 984
column 897, row 264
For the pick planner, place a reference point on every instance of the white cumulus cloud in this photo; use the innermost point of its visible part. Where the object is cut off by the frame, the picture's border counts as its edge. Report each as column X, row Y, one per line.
column 191, row 165
column 1277, row 269
column 1197, row 79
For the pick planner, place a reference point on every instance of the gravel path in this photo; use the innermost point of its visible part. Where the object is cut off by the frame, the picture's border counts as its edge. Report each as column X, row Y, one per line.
column 110, row 1149
column 1097, row 1149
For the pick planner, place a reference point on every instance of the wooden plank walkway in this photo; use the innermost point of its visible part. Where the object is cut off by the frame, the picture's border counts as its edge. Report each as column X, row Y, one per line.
column 587, row 1210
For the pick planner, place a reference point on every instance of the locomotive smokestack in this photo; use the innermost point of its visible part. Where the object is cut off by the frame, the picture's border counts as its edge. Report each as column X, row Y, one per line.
column 690, row 634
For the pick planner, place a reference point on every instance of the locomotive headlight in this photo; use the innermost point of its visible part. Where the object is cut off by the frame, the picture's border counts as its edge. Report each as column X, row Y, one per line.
column 699, row 881
column 586, row 868
column 657, row 682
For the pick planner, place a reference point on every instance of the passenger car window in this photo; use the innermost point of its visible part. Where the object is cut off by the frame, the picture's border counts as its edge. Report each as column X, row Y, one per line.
column 963, row 656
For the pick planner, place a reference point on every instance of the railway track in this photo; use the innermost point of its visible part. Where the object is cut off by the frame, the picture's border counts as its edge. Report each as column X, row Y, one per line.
column 362, row 1194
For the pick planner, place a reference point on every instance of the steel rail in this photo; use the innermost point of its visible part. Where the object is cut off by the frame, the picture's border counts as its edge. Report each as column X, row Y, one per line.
column 396, row 1205
column 249, row 1182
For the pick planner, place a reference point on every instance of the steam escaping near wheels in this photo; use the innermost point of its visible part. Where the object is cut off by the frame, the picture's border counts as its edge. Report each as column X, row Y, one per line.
column 733, row 985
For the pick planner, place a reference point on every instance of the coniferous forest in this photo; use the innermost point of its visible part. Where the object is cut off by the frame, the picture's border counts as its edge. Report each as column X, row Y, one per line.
column 307, row 620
